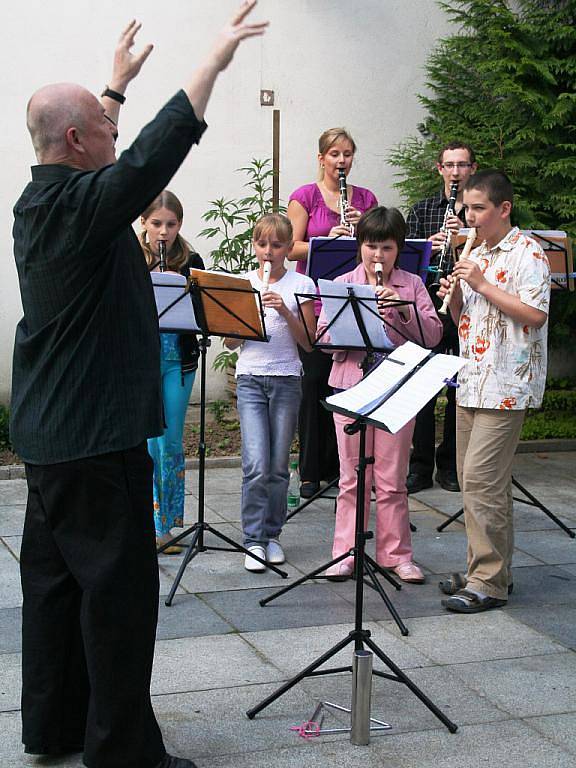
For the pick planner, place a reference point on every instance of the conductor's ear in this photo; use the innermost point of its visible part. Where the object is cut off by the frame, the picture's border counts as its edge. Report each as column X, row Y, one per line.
column 73, row 140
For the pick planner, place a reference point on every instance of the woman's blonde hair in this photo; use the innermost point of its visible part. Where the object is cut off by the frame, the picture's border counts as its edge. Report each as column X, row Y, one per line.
column 329, row 137
column 178, row 255
column 277, row 223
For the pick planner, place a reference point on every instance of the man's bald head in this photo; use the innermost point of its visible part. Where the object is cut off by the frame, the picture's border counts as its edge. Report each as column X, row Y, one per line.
column 51, row 111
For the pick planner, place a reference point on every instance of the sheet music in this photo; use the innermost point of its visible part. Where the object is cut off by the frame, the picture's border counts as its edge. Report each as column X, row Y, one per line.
column 410, row 397
column 168, row 287
column 381, row 380
column 345, row 331
column 413, row 395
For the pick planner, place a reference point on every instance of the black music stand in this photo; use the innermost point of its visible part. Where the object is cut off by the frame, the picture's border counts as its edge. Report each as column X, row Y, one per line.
column 360, row 636
column 361, row 307
column 530, row 500
column 214, row 303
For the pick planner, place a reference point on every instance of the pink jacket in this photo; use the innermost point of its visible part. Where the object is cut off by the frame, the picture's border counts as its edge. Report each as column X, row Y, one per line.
column 345, row 366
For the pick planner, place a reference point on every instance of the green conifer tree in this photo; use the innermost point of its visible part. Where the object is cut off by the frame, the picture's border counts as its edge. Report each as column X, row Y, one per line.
column 506, row 84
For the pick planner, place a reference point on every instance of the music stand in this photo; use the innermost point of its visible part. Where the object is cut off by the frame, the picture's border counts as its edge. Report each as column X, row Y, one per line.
column 360, row 636
column 227, row 306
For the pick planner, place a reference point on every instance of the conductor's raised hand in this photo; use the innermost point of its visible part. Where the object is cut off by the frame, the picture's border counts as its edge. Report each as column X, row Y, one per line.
column 233, row 33
column 126, row 63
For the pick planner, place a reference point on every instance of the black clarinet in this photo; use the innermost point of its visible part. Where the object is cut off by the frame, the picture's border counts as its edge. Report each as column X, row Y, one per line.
column 344, row 201
column 162, row 254
column 445, row 258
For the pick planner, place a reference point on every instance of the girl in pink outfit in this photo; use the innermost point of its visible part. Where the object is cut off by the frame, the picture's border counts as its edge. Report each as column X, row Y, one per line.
column 380, row 233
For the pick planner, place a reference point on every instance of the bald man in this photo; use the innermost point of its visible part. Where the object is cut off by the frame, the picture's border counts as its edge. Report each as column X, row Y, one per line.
column 85, row 397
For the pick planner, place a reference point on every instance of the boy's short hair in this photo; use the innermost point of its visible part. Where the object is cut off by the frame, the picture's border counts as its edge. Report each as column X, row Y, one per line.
column 456, row 145
column 273, row 222
column 495, row 185
column 379, row 224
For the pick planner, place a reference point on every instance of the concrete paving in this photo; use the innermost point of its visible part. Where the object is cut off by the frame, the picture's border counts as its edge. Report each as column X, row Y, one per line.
column 506, row 677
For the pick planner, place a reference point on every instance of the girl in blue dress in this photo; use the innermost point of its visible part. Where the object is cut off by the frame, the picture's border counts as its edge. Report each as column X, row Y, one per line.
column 162, row 220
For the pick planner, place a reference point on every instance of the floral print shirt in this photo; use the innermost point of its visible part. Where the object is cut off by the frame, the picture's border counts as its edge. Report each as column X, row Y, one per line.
column 506, row 361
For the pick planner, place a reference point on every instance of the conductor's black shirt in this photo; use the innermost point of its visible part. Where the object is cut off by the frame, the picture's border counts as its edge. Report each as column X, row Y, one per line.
column 86, row 368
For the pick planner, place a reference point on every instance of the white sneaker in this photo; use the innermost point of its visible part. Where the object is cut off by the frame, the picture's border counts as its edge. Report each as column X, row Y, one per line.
column 275, row 553
column 253, row 565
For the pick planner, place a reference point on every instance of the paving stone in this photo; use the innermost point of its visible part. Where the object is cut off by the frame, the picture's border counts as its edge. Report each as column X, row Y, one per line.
column 10, row 630
column 561, row 729
column 309, row 644
column 210, row 723
column 511, row 744
column 11, row 519
column 204, row 663
column 550, row 621
column 216, row 481
column 10, row 681
column 211, row 512
column 526, row 687
column 190, row 616
column 554, row 547
column 543, row 585
column 305, row 606
column 10, row 590
column 13, row 492
column 457, row 639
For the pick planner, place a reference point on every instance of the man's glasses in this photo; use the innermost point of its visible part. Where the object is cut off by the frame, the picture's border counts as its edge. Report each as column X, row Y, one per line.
column 451, row 166
column 114, row 132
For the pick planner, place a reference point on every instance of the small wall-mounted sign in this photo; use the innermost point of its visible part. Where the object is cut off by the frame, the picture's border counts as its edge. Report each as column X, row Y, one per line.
column 266, row 98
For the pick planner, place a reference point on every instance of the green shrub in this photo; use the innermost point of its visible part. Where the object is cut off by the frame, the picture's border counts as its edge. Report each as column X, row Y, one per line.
column 544, row 425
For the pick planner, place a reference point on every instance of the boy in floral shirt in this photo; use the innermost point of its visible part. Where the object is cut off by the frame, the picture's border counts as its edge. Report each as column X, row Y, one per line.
column 500, row 305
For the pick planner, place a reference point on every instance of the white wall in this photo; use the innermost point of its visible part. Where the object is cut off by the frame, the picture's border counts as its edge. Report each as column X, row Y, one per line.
column 329, row 62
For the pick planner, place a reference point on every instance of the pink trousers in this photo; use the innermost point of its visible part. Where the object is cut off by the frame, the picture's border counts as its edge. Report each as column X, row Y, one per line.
column 388, row 476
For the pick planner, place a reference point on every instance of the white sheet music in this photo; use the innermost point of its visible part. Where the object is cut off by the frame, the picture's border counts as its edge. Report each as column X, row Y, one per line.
column 410, row 397
column 169, row 286
column 345, row 331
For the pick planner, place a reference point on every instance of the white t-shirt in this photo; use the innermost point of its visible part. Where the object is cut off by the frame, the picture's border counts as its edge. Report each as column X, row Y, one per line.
column 279, row 356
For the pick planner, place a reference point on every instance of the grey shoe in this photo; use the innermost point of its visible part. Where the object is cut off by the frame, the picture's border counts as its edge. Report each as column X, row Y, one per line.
column 275, row 553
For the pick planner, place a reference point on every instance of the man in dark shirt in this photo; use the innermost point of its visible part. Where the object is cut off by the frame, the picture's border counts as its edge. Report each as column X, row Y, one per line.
column 456, row 162
column 85, row 396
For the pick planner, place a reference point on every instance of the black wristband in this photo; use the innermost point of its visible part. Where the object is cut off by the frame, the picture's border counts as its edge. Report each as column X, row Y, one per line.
column 114, row 95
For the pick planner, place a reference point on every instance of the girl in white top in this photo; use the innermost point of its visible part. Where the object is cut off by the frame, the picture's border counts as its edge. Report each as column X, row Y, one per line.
column 269, row 389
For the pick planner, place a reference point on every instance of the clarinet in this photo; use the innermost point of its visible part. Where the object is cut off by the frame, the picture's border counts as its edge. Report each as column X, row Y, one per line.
column 444, row 258
column 162, row 254
column 344, row 201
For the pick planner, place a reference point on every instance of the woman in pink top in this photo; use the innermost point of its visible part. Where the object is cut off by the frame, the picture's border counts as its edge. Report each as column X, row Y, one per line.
column 380, row 234
column 314, row 212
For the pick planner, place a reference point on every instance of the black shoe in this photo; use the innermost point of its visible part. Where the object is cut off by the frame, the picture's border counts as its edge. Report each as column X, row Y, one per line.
column 448, row 479
column 61, row 751
column 416, row 482
column 308, row 489
column 175, row 762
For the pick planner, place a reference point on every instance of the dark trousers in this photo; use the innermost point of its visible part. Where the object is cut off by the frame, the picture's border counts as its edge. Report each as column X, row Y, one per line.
column 90, row 583
column 316, row 432
column 424, row 452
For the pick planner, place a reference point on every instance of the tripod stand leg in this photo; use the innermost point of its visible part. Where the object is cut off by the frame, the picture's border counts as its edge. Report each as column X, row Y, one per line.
column 378, row 568
column 318, row 495
column 191, row 551
column 309, row 670
column 387, row 602
column 534, row 502
column 451, row 519
column 311, row 575
column 239, row 548
column 403, row 678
